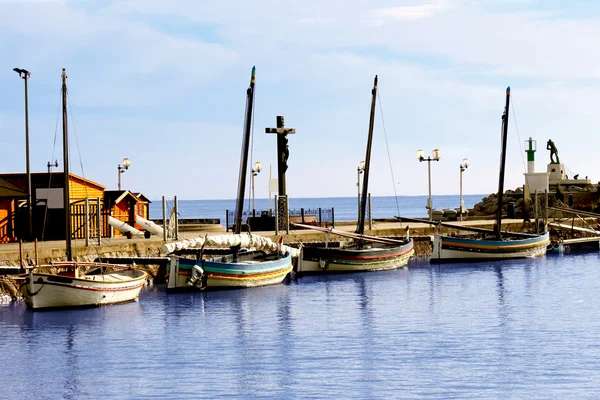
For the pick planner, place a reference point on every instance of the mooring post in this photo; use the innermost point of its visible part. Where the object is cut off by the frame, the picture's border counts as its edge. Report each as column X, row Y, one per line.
column 536, row 211
column 370, row 215
column 332, row 218
column 176, row 218
column 320, row 218
column 87, row 221
column 21, row 252
column 546, row 216
column 226, row 220
column 276, row 215
column 302, row 214
column 164, row 215
column 99, row 220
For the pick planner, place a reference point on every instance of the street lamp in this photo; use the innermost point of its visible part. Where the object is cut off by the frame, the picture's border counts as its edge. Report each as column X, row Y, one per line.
column 435, row 156
column 464, row 165
column 255, row 170
column 359, row 170
column 24, row 74
column 121, row 168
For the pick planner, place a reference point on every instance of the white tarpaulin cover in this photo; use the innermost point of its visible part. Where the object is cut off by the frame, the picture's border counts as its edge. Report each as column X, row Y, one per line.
column 246, row 241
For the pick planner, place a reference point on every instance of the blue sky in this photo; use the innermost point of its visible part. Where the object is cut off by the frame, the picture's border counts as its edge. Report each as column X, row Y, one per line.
column 163, row 83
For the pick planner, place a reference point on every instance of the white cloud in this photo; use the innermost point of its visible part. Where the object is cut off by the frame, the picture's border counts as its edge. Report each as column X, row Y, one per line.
column 381, row 16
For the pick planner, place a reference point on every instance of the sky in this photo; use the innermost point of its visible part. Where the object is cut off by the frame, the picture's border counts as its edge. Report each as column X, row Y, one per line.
column 163, row 83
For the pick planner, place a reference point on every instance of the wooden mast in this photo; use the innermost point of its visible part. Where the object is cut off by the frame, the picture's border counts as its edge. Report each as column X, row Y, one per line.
column 498, row 226
column 239, row 208
column 66, row 199
column 360, row 229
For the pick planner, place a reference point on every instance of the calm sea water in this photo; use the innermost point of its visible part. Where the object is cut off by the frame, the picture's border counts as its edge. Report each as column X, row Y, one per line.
column 346, row 208
column 524, row 329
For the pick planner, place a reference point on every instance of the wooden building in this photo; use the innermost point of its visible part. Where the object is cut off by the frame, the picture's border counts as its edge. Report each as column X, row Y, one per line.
column 124, row 205
column 48, row 209
column 9, row 197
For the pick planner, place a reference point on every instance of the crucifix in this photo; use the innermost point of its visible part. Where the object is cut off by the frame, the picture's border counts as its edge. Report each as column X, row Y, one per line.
column 283, row 151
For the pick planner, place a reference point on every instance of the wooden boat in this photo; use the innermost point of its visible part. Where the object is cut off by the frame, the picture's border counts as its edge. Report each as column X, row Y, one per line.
column 250, row 269
column 240, row 268
column 363, row 253
column 80, row 284
column 495, row 244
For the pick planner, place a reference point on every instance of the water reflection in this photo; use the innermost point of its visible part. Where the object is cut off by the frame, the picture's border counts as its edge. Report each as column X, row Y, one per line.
column 503, row 309
column 71, row 385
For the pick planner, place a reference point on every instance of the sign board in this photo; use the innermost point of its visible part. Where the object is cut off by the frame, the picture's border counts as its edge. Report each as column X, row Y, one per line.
column 273, row 185
column 53, row 196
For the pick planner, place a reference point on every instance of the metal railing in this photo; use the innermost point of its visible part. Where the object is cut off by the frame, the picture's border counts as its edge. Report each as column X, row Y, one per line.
column 323, row 217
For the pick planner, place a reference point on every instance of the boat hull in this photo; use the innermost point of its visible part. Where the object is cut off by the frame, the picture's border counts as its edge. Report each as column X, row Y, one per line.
column 223, row 273
column 378, row 257
column 446, row 248
column 54, row 291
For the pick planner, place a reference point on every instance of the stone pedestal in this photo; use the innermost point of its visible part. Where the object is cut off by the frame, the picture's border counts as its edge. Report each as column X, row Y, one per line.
column 556, row 173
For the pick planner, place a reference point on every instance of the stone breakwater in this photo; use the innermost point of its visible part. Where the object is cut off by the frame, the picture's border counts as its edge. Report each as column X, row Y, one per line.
column 583, row 198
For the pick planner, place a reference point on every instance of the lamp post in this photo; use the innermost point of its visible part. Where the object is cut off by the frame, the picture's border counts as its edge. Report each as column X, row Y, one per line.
column 435, row 156
column 24, row 74
column 359, row 170
column 255, row 171
column 121, row 168
column 464, row 165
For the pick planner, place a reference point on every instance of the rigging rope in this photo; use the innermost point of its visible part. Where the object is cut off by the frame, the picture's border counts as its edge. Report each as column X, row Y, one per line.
column 388, row 153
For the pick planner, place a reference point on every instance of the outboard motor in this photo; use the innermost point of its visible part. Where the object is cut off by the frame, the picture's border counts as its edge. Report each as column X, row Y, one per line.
column 198, row 278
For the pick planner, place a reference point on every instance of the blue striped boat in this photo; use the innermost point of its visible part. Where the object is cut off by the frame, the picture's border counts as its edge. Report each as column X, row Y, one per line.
column 447, row 248
column 251, row 269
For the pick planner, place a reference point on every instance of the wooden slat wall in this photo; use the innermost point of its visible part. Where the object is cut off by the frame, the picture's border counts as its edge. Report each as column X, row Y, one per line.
column 80, row 190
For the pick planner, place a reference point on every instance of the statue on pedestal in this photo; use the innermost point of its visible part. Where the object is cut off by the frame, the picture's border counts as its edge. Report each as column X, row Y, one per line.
column 553, row 152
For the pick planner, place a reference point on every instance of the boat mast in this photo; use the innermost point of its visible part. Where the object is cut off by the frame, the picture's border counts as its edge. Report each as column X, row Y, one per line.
column 360, row 229
column 66, row 203
column 498, row 227
column 244, row 157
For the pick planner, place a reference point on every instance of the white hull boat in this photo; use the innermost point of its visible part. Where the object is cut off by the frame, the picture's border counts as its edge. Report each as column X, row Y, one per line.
column 66, row 285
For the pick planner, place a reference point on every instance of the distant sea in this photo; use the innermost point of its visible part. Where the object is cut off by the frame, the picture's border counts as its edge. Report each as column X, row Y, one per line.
column 346, row 208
